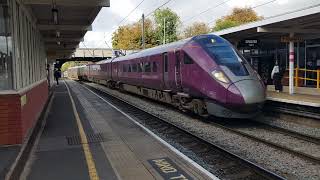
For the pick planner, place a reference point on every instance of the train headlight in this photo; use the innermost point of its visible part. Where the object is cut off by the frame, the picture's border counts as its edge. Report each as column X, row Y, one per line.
column 218, row 75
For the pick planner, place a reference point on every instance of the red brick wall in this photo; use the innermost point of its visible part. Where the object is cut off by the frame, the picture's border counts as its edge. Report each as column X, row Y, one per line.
column 15, row 119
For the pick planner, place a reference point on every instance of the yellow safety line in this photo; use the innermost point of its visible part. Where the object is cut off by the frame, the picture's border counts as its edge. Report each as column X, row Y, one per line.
column 84, row 141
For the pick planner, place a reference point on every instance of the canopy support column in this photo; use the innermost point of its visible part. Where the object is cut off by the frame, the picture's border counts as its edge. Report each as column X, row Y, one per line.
column 291, row 64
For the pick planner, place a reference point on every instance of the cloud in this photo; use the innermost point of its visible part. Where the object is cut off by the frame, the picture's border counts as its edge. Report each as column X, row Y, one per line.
column 123, row 7
column 108, row 19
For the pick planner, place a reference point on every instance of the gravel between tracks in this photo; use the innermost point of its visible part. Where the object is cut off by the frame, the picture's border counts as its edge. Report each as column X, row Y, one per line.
column 284, row 140
column 273, row 159
column 293, row 123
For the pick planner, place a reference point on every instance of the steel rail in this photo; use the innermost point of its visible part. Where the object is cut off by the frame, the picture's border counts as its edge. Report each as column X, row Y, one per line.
column 293, row 109
column 270, row 143
column 252, row 166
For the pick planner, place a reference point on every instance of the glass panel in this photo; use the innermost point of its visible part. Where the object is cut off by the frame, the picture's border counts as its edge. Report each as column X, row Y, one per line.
column 224, row 54
column 154, row 67
column 140, row 65
column 5, row 47
column 134, row 67
column 187, row 59
column 165, row 62
column 147, row 67
column 129, row 68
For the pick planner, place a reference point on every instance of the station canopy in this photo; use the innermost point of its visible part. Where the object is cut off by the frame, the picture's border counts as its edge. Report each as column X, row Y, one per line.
column 63, row 23
column 304, row 23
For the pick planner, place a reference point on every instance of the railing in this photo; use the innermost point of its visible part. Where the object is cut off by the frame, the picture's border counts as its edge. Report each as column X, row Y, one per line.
column 297, row 78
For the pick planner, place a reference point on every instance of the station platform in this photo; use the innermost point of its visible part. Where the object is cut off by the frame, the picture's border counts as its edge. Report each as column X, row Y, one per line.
column 86, row 138
column 303, row 96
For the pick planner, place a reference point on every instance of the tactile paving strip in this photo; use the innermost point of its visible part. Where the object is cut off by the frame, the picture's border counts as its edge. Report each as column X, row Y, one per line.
column 92, row 138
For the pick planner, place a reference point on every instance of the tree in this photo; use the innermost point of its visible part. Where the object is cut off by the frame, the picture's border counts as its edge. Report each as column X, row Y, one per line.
column 171, row 20
column 129, row 37
column 70, row 64
column 237, row 17
column 196, row 28
column 67, row 65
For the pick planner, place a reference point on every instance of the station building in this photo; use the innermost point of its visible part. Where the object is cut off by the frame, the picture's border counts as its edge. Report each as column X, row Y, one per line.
column 267, row 41
column 33, row 34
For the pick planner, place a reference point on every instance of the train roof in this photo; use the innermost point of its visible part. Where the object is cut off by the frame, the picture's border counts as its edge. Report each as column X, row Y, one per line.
column 155, row 50
column 163, row 48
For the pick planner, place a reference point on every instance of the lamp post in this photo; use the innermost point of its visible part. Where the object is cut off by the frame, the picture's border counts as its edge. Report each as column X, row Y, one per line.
column 164, row 30
column 143, row 33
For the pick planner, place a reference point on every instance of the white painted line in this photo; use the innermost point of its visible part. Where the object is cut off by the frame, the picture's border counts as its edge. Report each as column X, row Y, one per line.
column 196, row 165
column 294, row 102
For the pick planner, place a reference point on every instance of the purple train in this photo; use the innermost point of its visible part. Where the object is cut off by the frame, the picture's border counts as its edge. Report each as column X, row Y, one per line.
column 204, row 74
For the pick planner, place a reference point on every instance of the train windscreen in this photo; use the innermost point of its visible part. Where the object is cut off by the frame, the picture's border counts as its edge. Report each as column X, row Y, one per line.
column 224, row 54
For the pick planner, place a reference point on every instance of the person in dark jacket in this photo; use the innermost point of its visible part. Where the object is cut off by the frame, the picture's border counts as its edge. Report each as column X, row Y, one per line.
column 57, row 75
column 276, row 75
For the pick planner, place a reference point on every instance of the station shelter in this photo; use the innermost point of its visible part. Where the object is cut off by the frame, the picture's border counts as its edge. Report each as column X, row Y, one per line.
column 266, row 41
column 33, row 34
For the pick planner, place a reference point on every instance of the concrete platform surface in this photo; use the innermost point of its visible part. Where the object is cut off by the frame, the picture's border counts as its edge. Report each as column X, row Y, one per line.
column 299, row 99
column 8, row 155
column 111, row 146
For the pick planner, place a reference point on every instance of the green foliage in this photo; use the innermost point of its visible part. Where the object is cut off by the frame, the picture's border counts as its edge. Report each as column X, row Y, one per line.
column 225, row 24
column 237, row 17
column 70, row 64
column 129, row 37
column 171, row 19
column 196, row 28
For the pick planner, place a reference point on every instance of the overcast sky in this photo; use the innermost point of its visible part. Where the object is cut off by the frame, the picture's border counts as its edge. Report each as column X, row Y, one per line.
column 108, row 19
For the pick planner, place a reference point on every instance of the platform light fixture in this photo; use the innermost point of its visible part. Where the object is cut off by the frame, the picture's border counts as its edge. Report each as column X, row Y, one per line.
column 55, row 15
column 57, row 34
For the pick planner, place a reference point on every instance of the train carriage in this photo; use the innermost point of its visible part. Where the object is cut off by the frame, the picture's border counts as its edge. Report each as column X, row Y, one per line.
column 204, row 74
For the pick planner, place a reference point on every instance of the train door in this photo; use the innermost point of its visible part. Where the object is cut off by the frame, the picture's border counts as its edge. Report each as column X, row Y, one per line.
column 166, row 70
column 178, row 70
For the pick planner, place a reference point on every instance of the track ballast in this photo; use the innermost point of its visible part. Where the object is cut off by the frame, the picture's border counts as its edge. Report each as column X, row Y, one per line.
column 227, row 164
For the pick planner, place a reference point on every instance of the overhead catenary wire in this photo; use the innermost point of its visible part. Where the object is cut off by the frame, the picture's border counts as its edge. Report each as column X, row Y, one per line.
column 210, row 8
column 88, row 49
column 123, row 20
column 158, row 8
column 162, row 5
column 263, row 4
column 254, row 7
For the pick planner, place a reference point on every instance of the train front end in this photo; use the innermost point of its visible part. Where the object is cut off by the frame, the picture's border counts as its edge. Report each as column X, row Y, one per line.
column 243, row 88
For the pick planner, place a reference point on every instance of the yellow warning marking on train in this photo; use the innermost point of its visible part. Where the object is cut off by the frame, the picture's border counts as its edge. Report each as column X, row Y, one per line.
column 84, row 141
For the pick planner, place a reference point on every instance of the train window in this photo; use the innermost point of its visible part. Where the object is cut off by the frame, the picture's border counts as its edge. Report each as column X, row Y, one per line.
column 134, row 67
column 140, row 65
column 187, row 59
column 129, row 67
column 147, row 67
column 123, row 68
column 165, row 57
column 154, row 67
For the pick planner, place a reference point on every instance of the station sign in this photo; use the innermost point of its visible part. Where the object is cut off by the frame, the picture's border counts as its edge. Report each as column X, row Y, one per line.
column 251, row 42
column 287, row 39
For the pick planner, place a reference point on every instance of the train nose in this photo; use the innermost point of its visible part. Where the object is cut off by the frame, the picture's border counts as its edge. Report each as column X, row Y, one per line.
column 252, row 91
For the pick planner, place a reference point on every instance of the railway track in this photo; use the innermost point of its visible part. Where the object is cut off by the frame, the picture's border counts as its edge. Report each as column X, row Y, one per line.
column 293, row 109
column 219, row 160
column 257, row 127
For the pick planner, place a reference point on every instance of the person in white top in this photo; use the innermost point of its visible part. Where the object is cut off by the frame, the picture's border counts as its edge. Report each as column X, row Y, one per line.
column 276, row 76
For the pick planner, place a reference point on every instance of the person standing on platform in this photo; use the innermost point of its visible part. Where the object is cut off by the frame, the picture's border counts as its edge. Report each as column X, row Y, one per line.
column 276, row 76
column 57, row 75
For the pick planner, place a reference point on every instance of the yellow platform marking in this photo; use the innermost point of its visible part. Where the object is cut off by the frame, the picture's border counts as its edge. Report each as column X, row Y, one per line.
column 84, row 141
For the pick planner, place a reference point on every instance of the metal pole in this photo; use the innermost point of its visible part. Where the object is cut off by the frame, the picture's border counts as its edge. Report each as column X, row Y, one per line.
column 291, row 65
column 143, row 33
column 305, row 62
column 164, row 30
